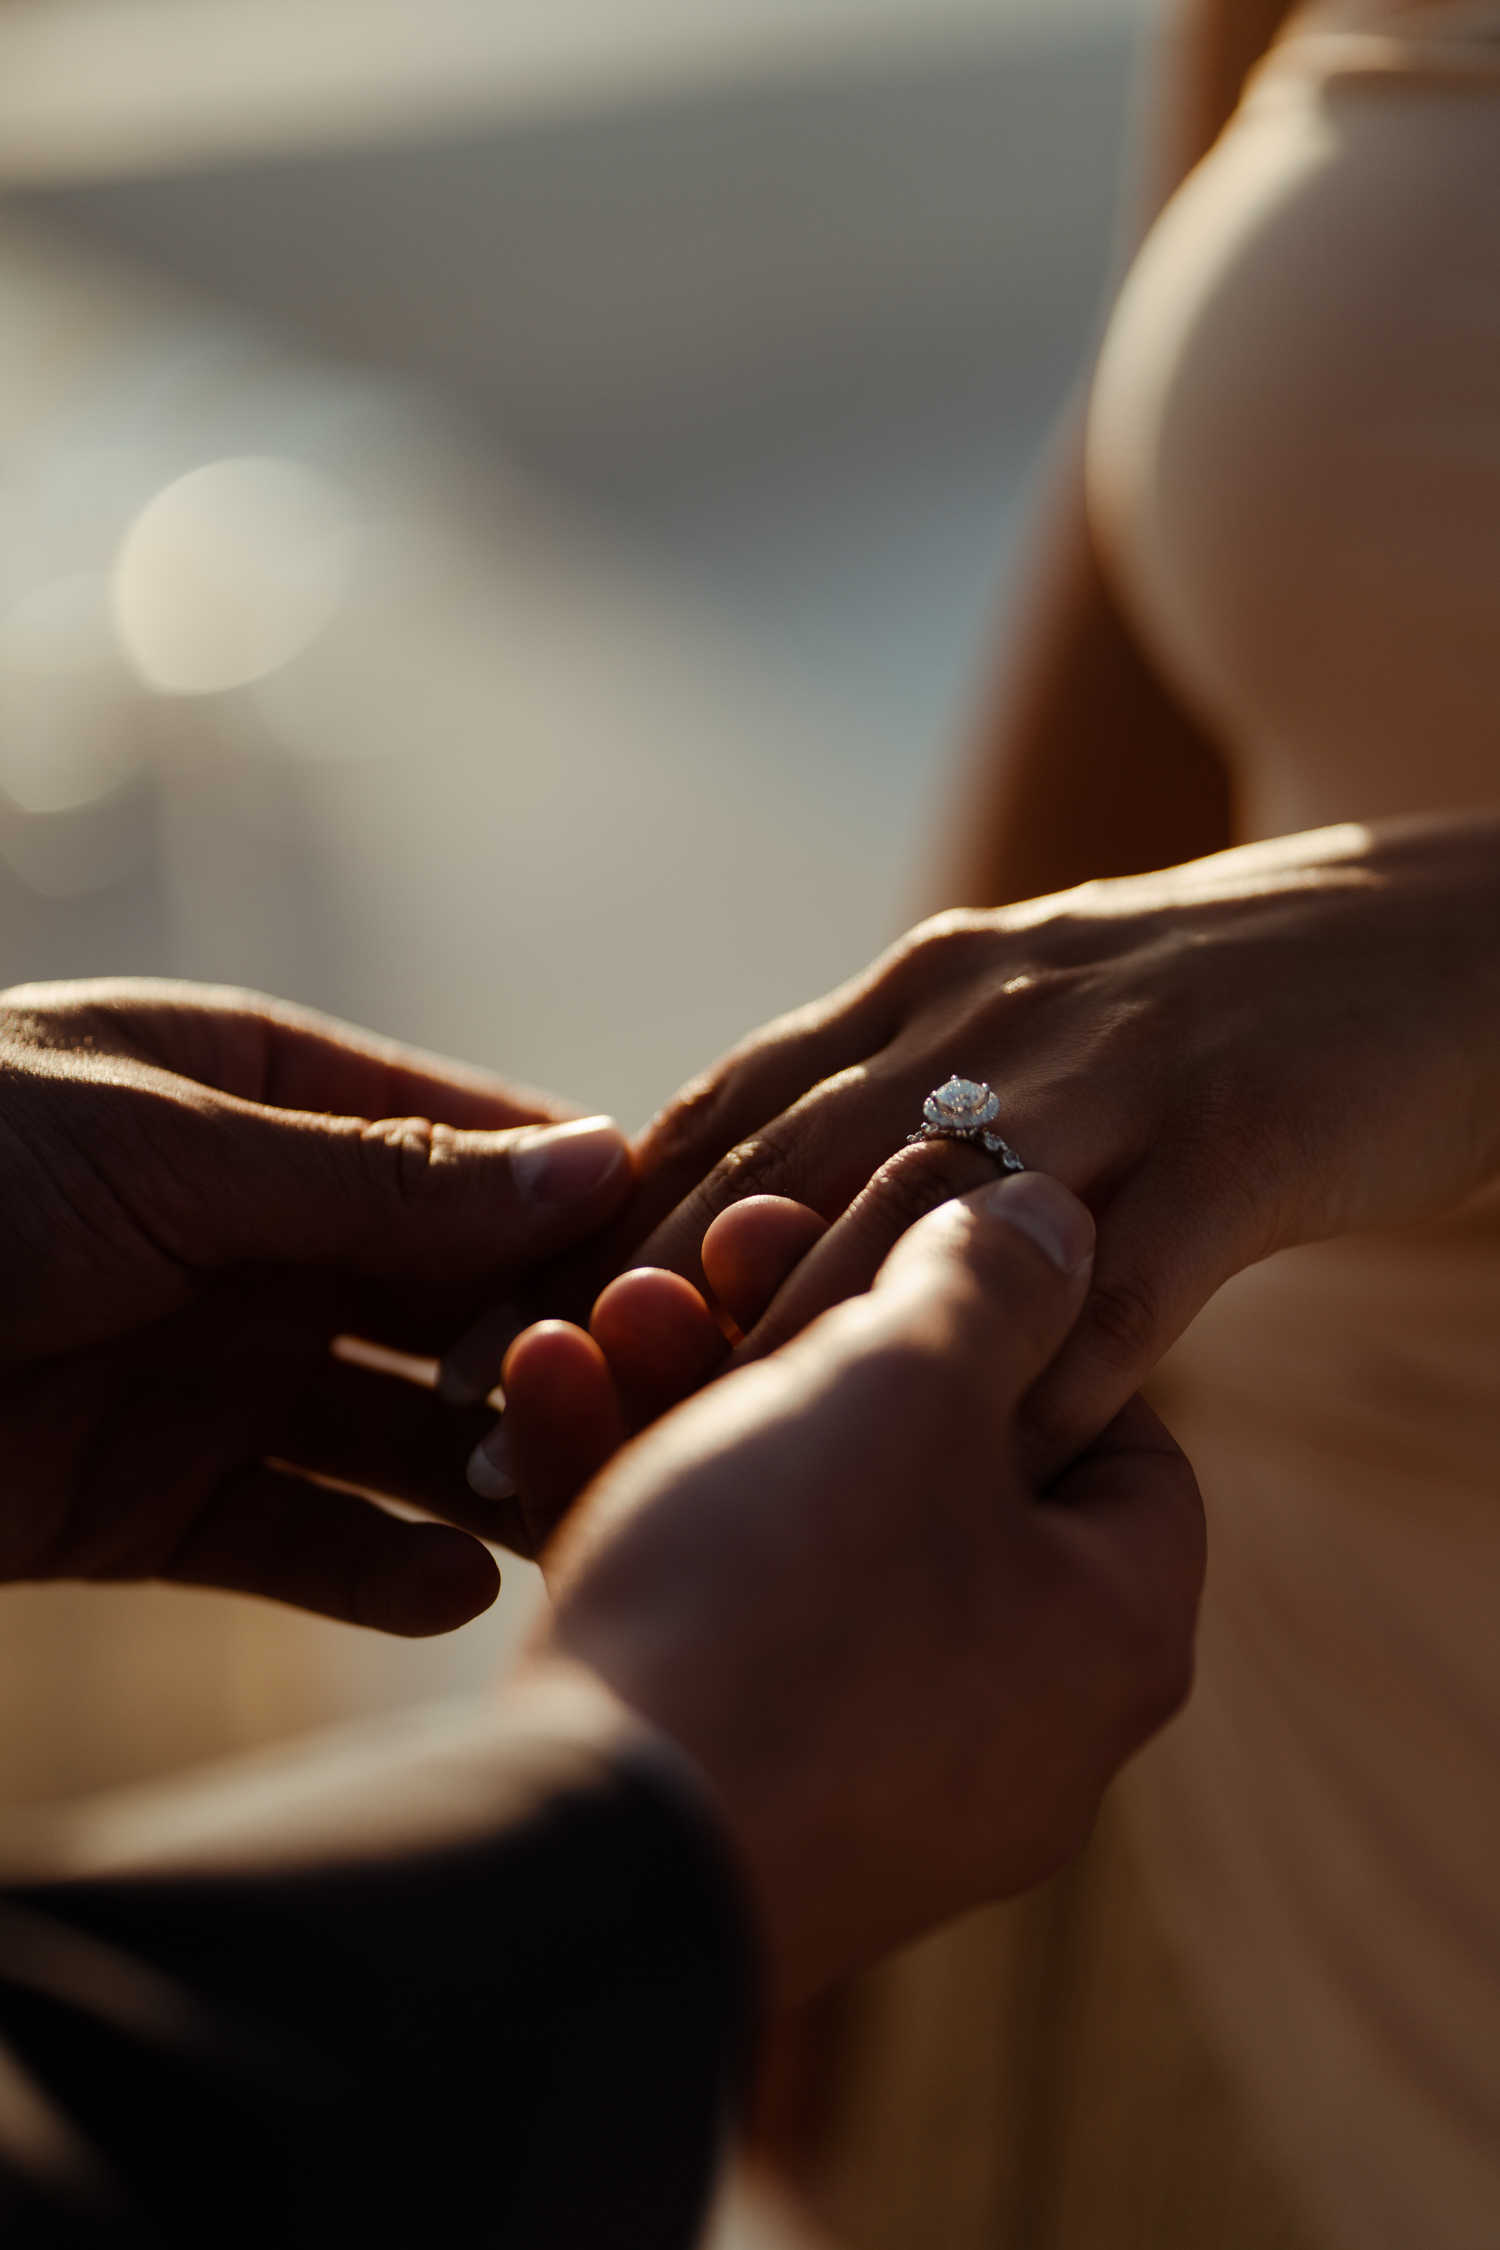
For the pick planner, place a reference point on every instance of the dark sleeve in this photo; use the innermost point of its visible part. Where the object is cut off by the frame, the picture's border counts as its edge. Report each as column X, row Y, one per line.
column 533, row 2039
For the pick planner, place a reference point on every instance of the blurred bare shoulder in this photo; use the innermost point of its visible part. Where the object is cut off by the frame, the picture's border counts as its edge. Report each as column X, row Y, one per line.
column 1088, row 765
column 1206, row 50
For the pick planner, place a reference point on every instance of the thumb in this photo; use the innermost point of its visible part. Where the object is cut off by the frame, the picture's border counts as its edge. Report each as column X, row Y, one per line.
column 1005, row 1270
column 385, row 1197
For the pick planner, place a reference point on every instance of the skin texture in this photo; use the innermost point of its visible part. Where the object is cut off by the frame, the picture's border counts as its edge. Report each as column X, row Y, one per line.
column 1272, row 1046
column 203, row 1189
column 905, row 1675
column 899, row 1676
column 895, row 1710
column 1090, row 764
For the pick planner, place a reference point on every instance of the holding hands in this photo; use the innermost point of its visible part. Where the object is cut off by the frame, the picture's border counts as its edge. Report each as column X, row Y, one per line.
column 903, row 1672
column 1290, row 1041
column 905, row 1676
column 1284, row 1042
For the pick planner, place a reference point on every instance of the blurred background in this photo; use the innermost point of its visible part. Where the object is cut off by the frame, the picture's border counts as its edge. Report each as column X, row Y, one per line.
column 505, row 519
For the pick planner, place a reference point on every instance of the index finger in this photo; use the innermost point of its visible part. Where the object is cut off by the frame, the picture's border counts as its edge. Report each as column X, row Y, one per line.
column 717, row 1143
column 823, row 1152
column 305, row 1061
column 283, row 1056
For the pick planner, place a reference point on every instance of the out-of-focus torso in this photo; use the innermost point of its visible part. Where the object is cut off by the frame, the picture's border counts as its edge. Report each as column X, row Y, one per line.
column 1294, row 476
column 1294, row 456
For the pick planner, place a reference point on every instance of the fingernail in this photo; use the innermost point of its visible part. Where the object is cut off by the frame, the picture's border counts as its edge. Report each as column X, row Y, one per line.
column 564, row 1163
column 470, row 1369
column 1044, row 1210
column 489, row 1467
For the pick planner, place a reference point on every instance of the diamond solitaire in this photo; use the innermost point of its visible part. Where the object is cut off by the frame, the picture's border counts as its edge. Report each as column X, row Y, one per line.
column 963, row 1110
column 961, row 1107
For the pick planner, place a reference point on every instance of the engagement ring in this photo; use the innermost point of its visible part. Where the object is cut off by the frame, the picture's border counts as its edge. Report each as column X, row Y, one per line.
column 964, row 1111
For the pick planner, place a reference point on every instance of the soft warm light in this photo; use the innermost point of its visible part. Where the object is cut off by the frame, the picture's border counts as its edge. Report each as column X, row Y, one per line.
column 68, row 716
column 229, row 573
column 61, row 626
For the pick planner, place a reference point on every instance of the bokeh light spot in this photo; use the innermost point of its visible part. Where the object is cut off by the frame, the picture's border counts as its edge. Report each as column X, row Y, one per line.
column 230, row 572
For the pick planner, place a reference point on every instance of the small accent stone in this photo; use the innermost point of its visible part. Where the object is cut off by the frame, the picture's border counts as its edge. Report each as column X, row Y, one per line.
column 961, row 1106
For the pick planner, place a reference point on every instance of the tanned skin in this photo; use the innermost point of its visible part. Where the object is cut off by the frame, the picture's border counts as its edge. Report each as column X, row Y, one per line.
column 1089, row 766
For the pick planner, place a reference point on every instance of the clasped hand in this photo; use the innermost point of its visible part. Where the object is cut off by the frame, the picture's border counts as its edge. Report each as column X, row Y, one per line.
column 830, row 1579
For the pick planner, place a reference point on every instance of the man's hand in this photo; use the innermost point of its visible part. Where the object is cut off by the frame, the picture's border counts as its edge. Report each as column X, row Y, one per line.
column 201, row 1189
column 906, row 1674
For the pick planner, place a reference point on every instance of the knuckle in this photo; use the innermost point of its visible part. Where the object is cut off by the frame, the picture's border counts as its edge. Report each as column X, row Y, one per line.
column 411, row 1161
column 917, row 1179
column 765, row 1164
column 691, row 1118
column 712, row 1110
column 937, row 950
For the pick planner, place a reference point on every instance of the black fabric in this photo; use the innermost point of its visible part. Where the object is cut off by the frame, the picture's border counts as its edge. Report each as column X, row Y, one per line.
column 530, row 2042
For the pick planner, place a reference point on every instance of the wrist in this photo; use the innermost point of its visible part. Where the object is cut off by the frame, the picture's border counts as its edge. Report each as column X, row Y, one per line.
column 817, row 1905
column 558, row 1694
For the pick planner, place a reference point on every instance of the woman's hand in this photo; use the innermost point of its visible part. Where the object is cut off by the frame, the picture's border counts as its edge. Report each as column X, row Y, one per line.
column 1290, row 1041
column 199, row 1191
